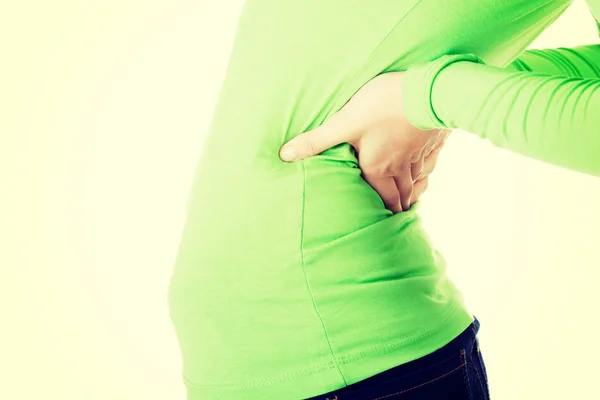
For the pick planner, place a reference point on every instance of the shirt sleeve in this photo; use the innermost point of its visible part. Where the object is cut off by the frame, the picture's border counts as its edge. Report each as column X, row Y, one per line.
column 582, row 62
column 545, row 105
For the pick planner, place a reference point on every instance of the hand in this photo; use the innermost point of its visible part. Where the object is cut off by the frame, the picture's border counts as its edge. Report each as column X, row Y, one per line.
column 421, row 185
column 392, row 153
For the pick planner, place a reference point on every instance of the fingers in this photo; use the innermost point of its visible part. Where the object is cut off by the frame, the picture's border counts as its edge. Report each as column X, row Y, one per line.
column 422, row 183
column 336, row 130
column 430, row 161
column 419, row 188
column 417, row 169
column 387, row 190
column 400, row 189
column 404, row 185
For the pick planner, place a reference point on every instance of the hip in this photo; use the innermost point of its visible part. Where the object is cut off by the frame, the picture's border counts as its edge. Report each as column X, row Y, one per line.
column 454, row 372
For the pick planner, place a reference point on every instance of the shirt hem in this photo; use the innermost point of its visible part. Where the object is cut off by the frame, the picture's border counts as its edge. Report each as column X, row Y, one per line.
column 326, row 378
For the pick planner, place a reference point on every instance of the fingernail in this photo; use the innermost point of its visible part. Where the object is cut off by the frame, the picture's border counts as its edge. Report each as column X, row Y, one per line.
column 288, row 154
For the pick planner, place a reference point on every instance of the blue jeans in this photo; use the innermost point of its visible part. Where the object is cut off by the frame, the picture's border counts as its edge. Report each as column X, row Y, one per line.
column 454, row 372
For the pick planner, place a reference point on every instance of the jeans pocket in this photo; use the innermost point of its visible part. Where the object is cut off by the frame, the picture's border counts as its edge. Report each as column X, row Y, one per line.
column 445, row 381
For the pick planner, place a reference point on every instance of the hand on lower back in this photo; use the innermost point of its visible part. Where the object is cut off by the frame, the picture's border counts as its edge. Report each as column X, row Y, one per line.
column 395, row 157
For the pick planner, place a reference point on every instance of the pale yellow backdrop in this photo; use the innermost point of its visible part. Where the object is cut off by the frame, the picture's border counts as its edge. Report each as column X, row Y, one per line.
column 103, row 106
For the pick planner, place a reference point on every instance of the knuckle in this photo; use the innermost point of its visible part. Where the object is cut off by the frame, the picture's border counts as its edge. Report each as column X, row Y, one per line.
column 377, row 168
column 406, row 166
column 312, row 147
column 417, row 168
column 367, row 165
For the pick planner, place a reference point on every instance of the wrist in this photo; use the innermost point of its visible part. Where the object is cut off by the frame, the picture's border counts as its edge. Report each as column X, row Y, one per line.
column 417, row 90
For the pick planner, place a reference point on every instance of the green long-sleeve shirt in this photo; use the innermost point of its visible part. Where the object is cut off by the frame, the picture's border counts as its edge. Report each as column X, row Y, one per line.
column 293, row 279
column 545, row 105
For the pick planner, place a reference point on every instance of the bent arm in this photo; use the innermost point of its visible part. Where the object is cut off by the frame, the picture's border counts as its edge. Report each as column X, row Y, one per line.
column 548, row 117
column 545, row 105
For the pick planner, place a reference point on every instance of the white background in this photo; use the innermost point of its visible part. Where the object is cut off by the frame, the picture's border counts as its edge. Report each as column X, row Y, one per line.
column 101, row 127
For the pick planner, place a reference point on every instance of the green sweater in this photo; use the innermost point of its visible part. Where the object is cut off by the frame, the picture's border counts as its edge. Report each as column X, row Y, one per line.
column 292, row 279
column 545, row 105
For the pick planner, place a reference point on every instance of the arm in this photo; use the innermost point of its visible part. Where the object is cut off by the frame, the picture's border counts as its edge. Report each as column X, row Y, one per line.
column 553, row 118
column 545, row 105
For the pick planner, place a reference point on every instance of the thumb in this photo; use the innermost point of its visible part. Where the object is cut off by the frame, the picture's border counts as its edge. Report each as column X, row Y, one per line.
column 331, row 133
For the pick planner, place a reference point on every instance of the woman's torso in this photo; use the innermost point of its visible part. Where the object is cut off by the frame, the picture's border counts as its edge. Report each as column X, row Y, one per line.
column 293, row 278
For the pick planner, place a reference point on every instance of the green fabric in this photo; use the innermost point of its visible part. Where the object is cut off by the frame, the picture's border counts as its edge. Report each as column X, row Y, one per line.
column 544, row 105
column 417, row 89
column 292, row 279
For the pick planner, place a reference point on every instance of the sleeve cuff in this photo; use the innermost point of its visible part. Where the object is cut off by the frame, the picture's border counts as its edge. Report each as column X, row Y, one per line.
column 417, row 87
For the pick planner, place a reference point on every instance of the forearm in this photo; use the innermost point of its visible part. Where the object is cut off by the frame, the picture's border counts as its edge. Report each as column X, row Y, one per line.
column 552, row 118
